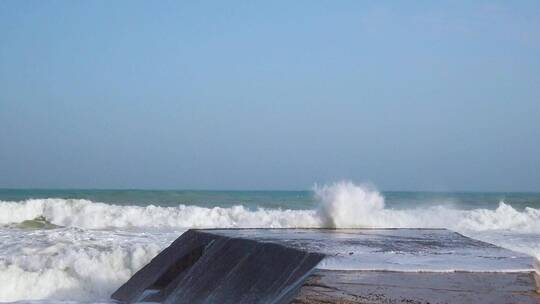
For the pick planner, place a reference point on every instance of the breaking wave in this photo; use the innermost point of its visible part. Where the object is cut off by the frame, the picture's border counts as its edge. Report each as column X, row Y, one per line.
column 70, row 263
column 342, row 205
column 345, row 205
column 90, row 215
column 83, row 250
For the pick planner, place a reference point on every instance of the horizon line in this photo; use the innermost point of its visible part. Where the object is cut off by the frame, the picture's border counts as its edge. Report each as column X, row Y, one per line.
column 249, row 190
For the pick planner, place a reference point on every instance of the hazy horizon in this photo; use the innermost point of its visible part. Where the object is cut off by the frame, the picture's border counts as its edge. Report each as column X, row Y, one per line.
column 260, row 190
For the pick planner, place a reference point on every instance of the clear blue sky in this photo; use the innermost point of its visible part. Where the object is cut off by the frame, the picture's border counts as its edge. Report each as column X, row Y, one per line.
column 409, row 95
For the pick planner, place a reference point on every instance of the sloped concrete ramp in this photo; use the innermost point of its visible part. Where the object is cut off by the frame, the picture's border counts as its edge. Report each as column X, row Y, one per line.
column 332, row 266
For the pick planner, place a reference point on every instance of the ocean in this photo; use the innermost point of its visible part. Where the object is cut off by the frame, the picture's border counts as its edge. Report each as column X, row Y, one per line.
column 78, row 246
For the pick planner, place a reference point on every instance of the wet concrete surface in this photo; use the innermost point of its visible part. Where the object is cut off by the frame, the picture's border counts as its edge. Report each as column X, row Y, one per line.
column 332, row 266
column 335, row 286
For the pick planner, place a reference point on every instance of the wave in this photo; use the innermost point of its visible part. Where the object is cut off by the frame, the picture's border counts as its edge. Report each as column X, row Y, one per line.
column 342, row 205
column 83, row 250
column 91, row 215
column 346, row 205
column 71, row 263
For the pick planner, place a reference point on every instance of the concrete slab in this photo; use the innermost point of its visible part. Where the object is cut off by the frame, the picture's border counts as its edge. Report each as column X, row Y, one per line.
column 332, row 266
column 392, row 249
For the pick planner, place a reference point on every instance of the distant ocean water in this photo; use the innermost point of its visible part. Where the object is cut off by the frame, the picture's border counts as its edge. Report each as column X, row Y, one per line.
column 80, row 245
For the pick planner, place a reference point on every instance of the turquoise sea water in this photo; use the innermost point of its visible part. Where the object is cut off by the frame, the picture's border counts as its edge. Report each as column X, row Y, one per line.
column 272, row 199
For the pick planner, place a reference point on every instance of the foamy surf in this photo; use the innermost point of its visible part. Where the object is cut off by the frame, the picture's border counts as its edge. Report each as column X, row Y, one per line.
column 73, row 249
column 343, row 205
column 71, row 263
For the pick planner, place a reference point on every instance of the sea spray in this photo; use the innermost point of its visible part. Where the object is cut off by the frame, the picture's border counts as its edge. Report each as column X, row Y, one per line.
column 346, row 205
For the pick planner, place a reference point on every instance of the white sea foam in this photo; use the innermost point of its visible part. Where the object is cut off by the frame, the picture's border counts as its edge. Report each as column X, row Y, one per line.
column 71, row 263
column 101, row 245
column 343, row 205
column 346, row 205
column 91, row 215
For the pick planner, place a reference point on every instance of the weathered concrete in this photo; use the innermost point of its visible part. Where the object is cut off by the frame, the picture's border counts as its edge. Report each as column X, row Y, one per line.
column 391, row 249
column 336, row 286
column 332, row 266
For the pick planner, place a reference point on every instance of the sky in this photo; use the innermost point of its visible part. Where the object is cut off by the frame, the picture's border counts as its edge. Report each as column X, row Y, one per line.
column 423, row 95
